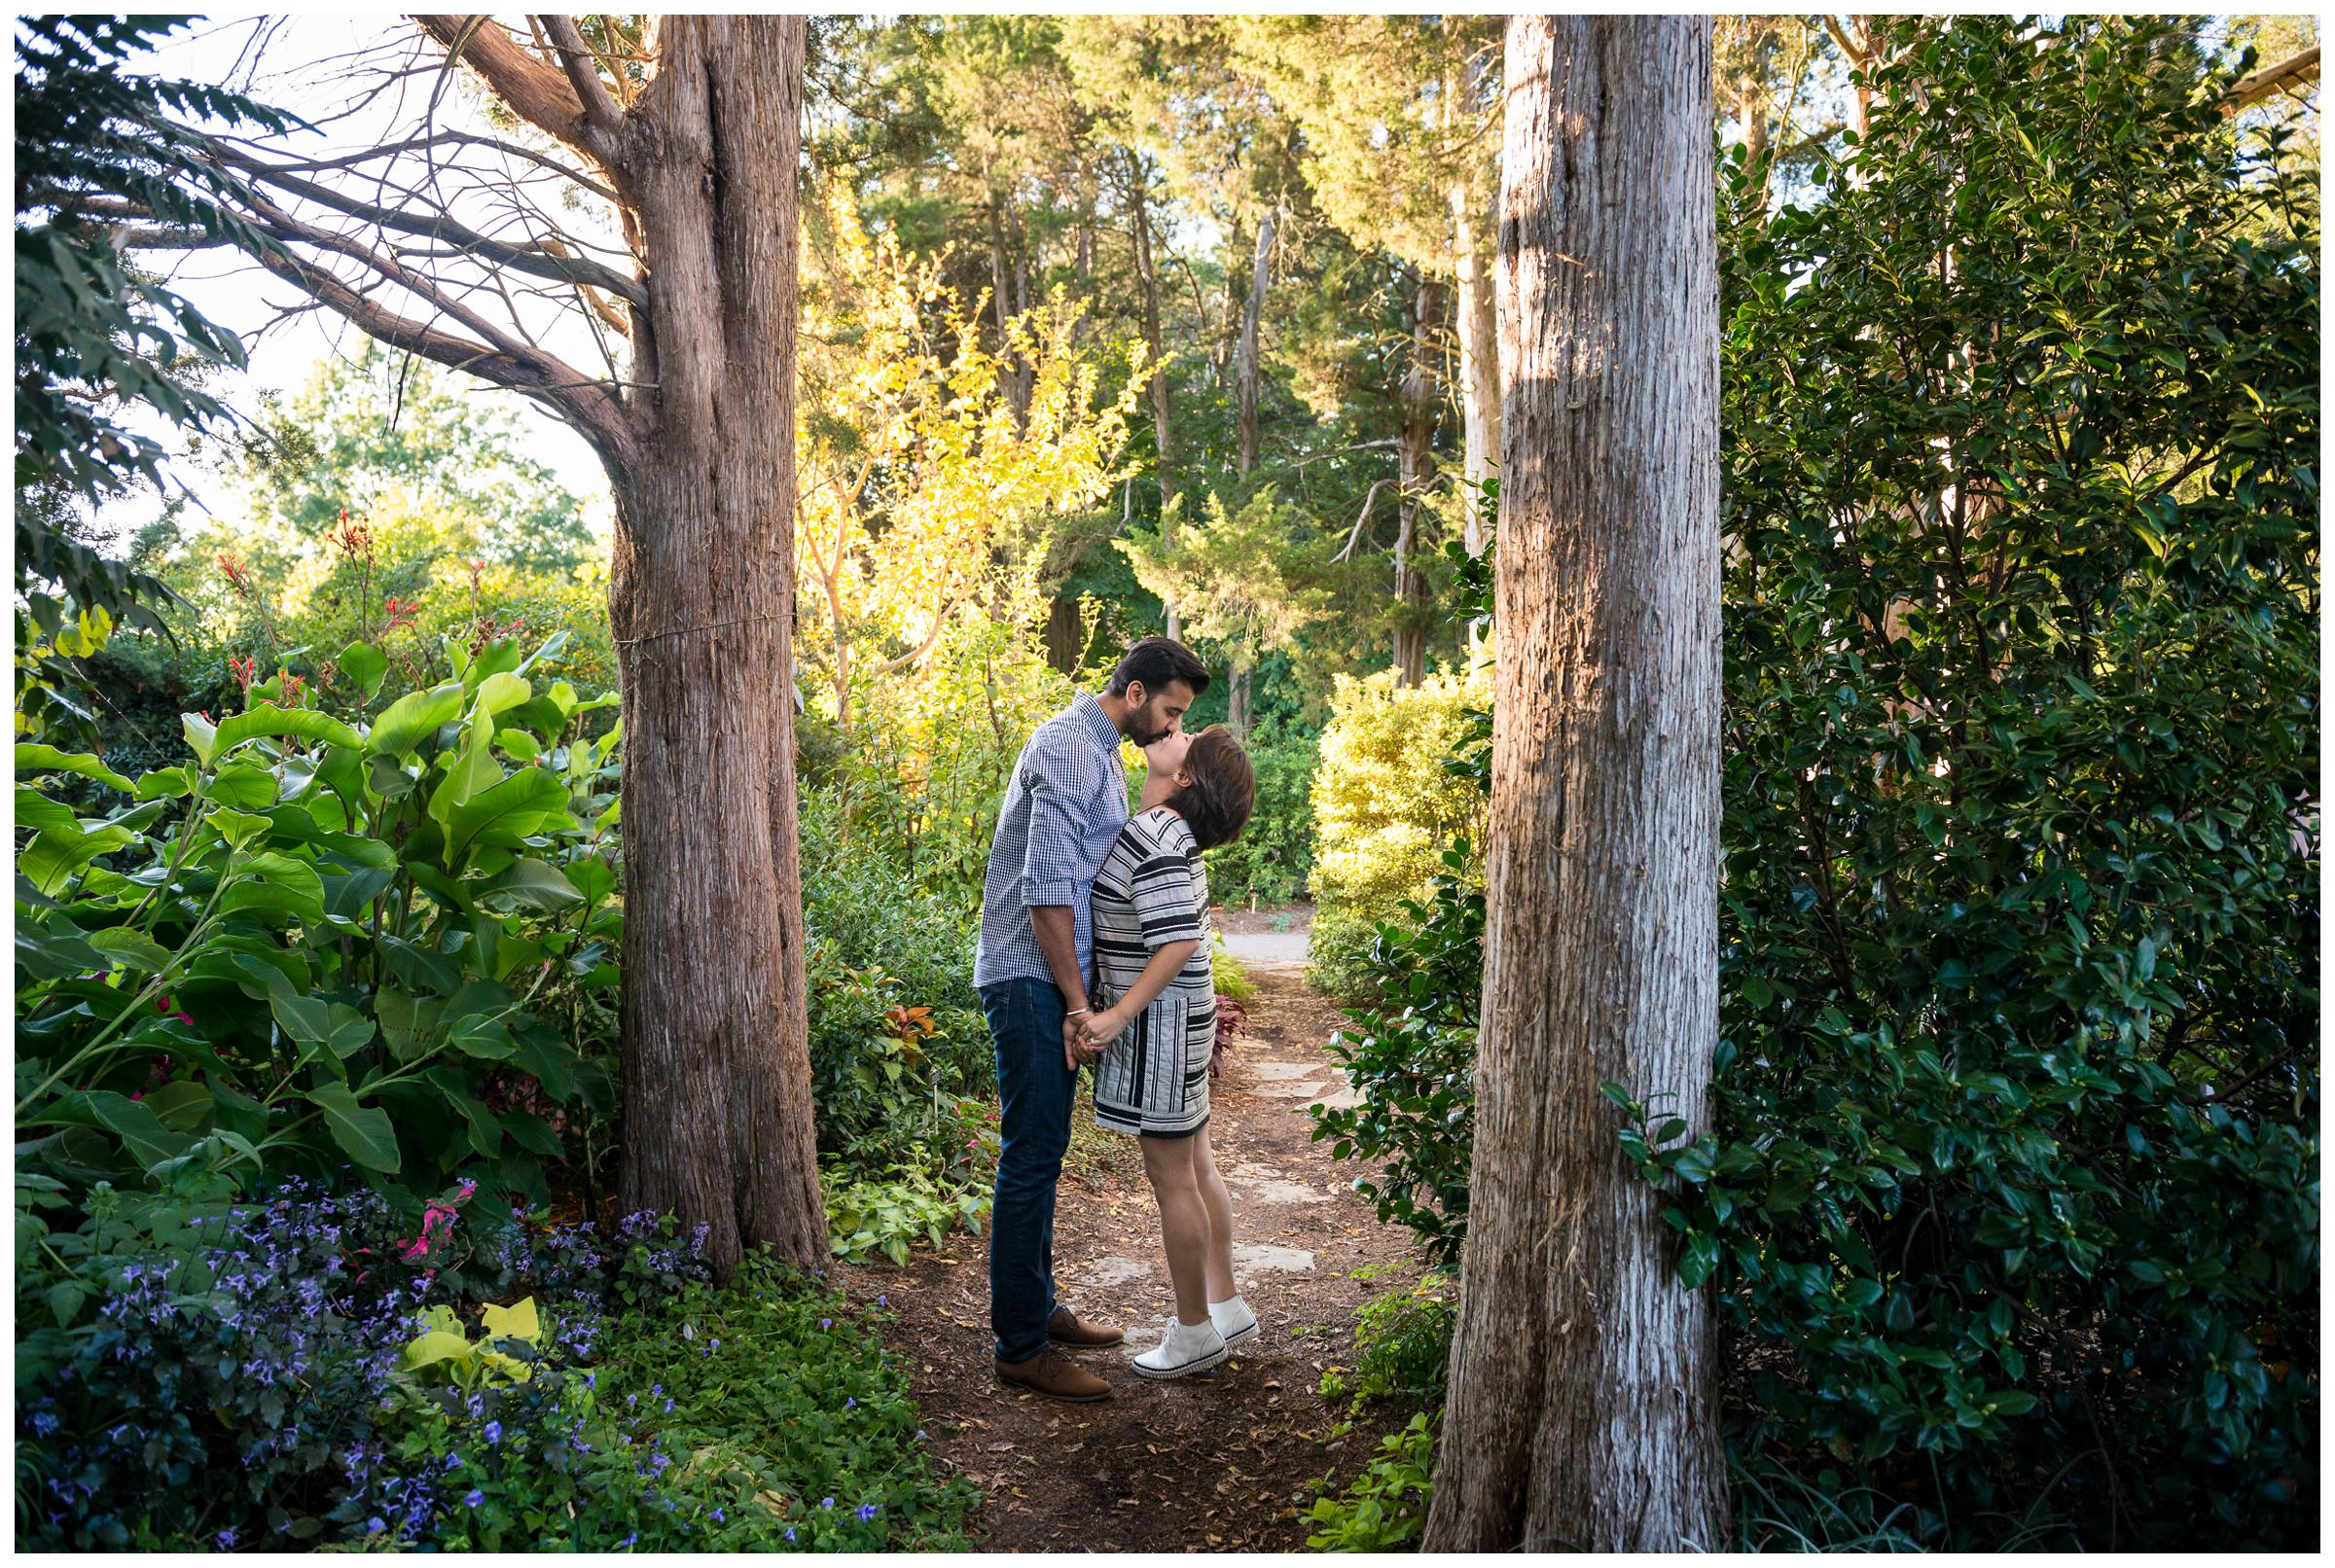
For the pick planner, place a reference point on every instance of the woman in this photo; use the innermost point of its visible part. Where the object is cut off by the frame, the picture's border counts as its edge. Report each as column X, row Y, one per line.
column 1159, row 1020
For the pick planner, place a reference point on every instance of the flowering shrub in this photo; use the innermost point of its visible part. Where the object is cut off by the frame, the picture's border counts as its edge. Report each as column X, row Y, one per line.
column 277, row 1374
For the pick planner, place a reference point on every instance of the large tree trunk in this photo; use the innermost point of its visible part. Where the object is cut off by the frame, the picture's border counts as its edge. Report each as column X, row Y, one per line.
column 1251, row 323
column 1583, row 1407
column 1420, row 404
column 716, row 1073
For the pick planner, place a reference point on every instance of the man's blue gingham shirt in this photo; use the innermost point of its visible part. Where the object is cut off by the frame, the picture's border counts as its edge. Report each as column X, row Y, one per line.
column 1063, row 814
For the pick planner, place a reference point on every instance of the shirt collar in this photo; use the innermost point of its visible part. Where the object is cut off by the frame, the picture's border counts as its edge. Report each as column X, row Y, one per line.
column 1106, row 733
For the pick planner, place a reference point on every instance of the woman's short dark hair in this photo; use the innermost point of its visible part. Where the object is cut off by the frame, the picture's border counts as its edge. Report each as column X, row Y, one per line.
column 1155, row 662
column 1223, row 788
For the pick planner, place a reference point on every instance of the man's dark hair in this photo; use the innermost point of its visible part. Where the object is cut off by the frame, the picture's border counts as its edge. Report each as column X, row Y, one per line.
column 1155, row 662
column 1216, row 804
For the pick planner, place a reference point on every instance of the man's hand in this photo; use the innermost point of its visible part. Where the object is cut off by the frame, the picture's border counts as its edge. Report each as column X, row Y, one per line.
column 1074, row 1041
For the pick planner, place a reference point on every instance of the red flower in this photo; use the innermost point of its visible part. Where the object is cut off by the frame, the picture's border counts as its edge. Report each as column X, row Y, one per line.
column 238, row 576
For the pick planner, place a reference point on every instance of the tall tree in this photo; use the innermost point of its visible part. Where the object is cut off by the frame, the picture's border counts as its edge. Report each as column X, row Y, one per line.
column 684, row 132
column 1583, row 1406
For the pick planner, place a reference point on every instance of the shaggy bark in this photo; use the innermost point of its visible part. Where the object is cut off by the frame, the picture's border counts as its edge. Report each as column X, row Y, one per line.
column 1582, row 1408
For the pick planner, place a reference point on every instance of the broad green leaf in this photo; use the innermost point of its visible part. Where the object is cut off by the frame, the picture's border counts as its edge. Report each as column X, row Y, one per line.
column 363, row 1131
column 240, row 829
column 37, row 813
column 147, row 1141
column 271, row 721
column 412, row 718
column 201, row 735
column 529, row 884
column 132, row 948
column 408, row 1024
column 364, row 665
column 526, row 802
column 34, row 758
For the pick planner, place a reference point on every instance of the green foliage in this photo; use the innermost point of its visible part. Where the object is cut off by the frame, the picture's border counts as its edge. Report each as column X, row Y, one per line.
column 2014, row 1149
column 797, row 1424
column 321, row 940
column 1248, row 581
column 381, row 431
column 1402, row 1345
column 1272, row 861
column 1386, row 810
column 1384, row 1508
column 94, row 337
column 1412, row 1056
column 908, row 1204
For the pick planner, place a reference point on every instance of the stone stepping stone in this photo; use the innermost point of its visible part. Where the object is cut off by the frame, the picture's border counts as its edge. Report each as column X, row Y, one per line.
column 1263, row 1257
column 1106, row 1271
column 1271, row 1190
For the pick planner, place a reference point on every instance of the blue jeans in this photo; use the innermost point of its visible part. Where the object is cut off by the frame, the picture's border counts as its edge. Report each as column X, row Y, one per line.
column 1038, row 1089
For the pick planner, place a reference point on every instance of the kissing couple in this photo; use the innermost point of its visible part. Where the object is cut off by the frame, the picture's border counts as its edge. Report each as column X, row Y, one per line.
column 1095, row 949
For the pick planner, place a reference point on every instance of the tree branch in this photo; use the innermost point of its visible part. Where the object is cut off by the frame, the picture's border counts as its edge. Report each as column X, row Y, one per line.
column 562, row 265
column 2295, row 70
column 1354, row 538
column 531, row 90
column 583, row 72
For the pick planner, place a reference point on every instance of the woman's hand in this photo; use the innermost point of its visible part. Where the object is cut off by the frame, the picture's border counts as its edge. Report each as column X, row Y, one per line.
column 1104, row 1027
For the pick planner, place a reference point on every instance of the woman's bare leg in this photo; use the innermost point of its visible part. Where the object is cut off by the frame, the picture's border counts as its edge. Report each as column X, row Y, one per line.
column 1184, row 1222
column 1219, row 1204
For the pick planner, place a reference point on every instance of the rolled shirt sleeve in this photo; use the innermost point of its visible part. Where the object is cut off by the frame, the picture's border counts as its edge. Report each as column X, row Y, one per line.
column 1059, row 781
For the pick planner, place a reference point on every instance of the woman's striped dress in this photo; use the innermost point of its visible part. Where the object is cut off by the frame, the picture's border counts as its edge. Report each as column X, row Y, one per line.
column 1152, row 891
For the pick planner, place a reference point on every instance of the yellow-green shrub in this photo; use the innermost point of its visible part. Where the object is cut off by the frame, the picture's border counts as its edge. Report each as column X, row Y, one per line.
column 1385, row 807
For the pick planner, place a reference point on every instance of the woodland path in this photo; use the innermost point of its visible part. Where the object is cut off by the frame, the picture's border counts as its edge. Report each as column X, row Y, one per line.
column 1219, row 1462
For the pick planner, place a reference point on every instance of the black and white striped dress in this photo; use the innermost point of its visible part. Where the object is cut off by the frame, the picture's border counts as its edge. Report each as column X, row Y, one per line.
column 1153, row 890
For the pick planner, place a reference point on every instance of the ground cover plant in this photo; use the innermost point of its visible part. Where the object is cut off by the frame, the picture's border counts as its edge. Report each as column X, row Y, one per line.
column 308, row 1369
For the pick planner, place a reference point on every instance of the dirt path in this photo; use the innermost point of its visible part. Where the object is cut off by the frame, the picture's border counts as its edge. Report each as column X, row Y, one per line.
column 1218, row 1462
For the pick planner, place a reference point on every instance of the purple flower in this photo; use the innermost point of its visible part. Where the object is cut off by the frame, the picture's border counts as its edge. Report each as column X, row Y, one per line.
column 472, row 1498
column 850, row 1404
column 826, row 1323
column 717, row 1515
column 374, row 1526
column 225, row 1540
column 866, row 1512
column 627, row 1541
column 883, row 1301
column 495, row 1432
column 790, row 1532
column 919, row 1434
column 826, row 1502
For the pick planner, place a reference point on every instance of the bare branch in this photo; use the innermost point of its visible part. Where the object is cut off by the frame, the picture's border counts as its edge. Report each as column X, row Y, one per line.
column 1354, row 538
column 576, row 56
column 565, row 268
column 584, row 404
column 531, row 90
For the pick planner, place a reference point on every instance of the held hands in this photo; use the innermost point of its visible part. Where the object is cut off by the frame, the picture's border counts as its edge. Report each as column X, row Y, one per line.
column 1087, row 1036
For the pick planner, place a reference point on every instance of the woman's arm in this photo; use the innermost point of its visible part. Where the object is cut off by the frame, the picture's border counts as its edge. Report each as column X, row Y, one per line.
column 1167, row 962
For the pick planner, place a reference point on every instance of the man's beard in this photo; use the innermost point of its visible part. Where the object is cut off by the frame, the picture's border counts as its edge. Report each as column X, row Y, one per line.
column 1135, row 731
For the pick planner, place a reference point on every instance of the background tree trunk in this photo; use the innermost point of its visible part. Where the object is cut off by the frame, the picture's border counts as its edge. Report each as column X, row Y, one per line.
column 1147, row 272
column 1251, row 323
column 1420, row 404
column 717, row 1072
column 1583, row 1407
column 1479, row 355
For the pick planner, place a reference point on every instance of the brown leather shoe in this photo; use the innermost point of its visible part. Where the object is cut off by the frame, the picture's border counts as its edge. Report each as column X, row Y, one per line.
column 1056, row 1375
column 1064, row 1329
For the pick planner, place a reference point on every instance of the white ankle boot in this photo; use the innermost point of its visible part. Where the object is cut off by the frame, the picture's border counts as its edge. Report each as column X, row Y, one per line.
column 1184, row 1349
column 1233, row 1320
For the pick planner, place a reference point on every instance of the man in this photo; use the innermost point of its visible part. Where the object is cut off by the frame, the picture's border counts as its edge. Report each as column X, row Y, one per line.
column 1063, row 812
